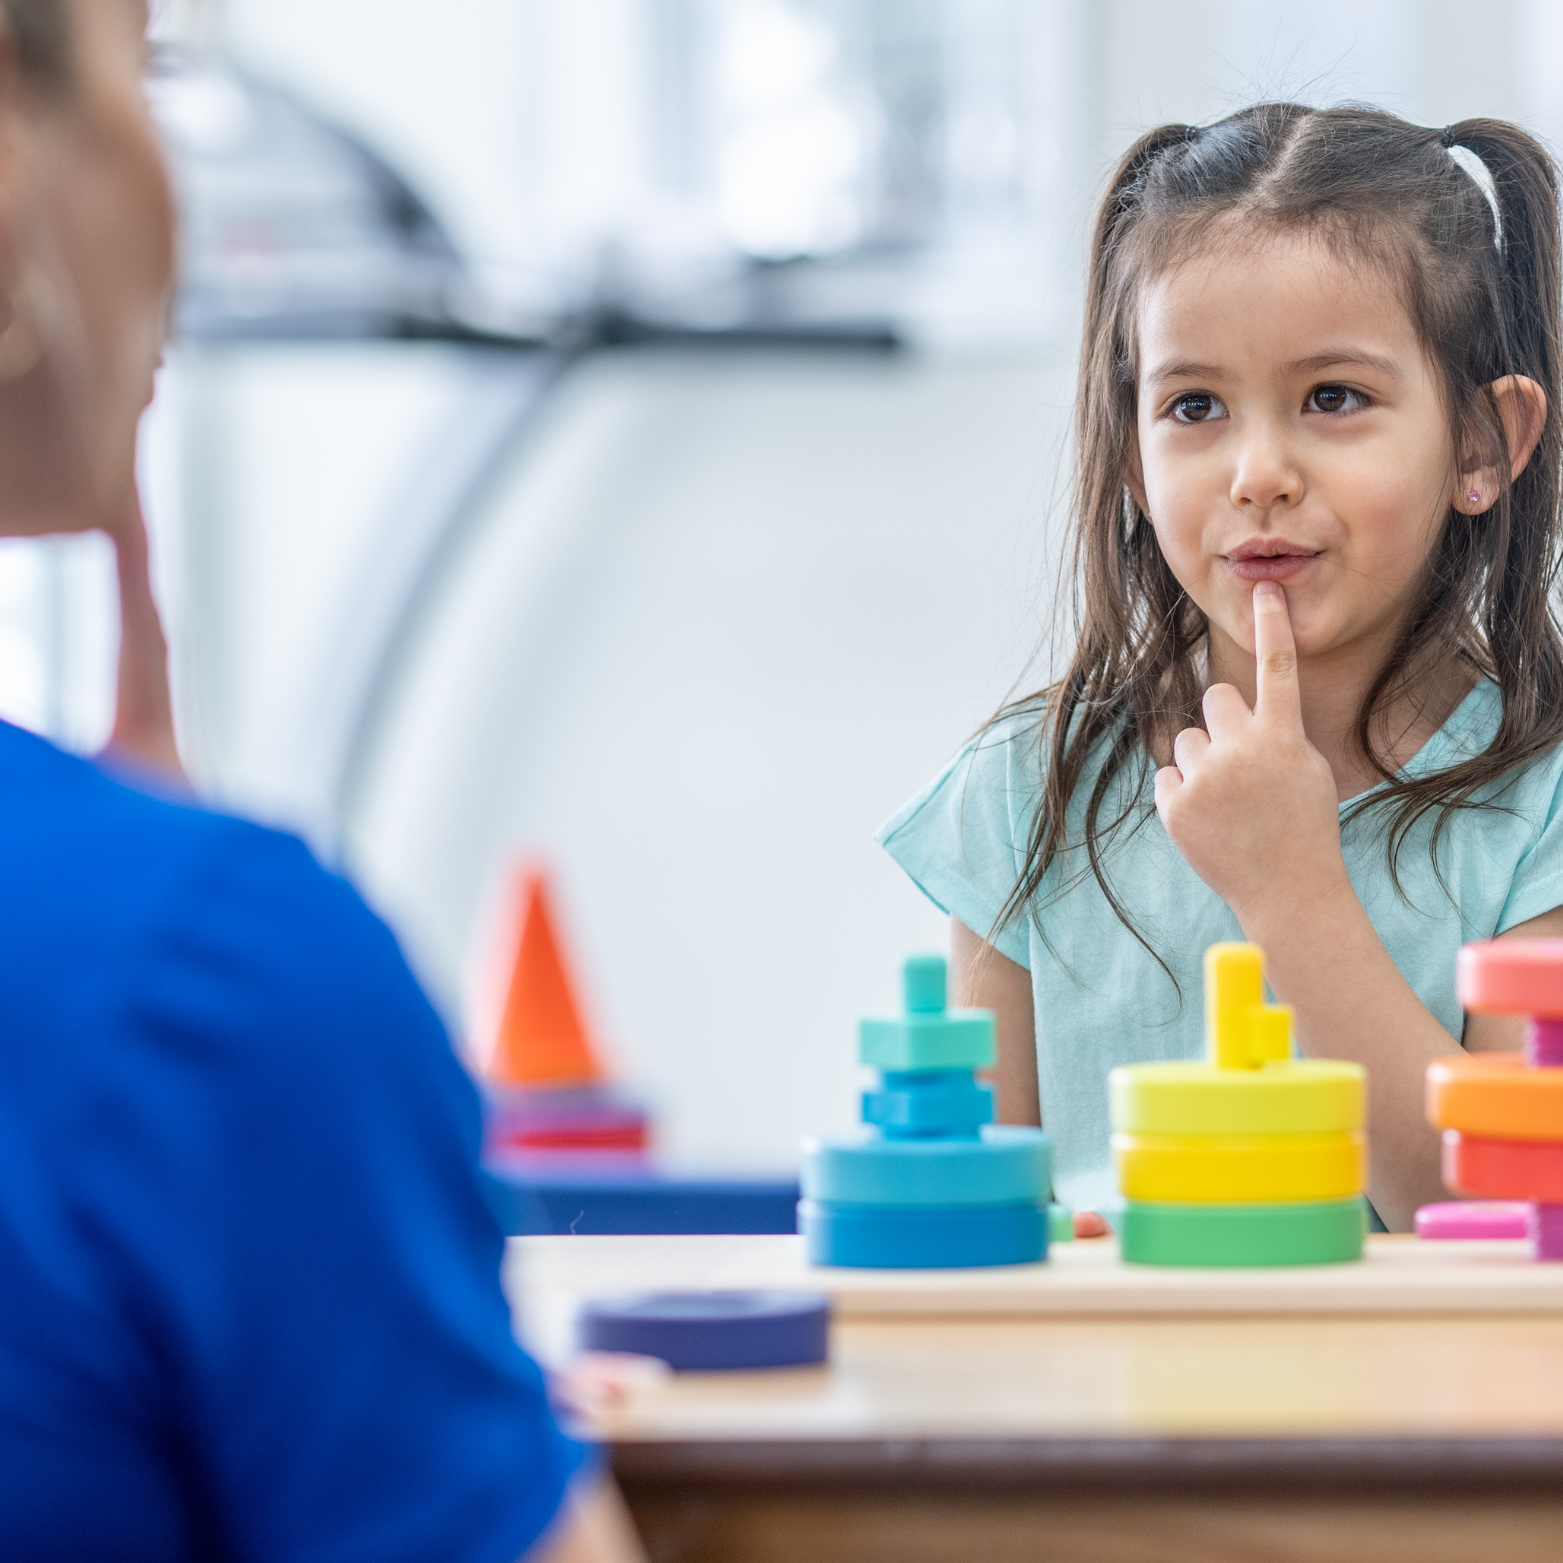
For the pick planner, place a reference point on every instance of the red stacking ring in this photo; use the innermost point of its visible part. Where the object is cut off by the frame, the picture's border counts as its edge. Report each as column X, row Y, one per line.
column 1512, row 977
column 1504, row 1169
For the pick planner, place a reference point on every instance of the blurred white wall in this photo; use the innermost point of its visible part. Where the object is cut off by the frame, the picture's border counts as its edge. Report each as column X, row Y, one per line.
column 269, row 472
column 1433, row 61
column 720, row 618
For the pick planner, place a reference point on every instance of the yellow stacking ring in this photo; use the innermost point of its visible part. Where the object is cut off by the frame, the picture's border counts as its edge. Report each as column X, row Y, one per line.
column 1293, row 1097
column 1240, row 1168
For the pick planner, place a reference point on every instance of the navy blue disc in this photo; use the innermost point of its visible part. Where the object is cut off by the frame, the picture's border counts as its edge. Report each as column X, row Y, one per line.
column 731, row 1330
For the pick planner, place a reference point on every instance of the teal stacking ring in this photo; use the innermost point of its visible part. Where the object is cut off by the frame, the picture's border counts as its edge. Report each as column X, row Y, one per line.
column 1006, row 1165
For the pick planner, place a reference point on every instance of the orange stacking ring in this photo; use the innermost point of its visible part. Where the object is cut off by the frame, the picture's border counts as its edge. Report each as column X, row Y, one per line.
column 1503, row 1169
column 1495, row 1097
column 1512, row 977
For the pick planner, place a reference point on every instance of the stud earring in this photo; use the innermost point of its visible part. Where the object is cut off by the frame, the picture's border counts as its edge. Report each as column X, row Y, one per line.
column 1474, row 497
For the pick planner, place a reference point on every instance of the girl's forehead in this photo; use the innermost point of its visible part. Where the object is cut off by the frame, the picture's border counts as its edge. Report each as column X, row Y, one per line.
column 1286, row 297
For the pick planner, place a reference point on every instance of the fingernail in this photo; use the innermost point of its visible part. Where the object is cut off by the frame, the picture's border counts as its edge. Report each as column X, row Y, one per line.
column 1267, row 589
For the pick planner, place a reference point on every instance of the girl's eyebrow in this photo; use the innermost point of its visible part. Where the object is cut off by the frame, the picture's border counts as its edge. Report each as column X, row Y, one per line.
column 1335, row 358
column 1183, row 371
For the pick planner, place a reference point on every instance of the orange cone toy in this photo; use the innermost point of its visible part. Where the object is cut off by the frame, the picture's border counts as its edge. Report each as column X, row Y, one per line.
column 541, row 1039
column 547, row 1089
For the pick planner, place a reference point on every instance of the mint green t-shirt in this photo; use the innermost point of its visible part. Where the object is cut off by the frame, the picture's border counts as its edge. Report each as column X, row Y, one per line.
column 1101, row 999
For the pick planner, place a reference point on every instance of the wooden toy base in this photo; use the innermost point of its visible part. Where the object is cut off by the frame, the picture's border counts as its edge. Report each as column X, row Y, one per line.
column 1399, row 1275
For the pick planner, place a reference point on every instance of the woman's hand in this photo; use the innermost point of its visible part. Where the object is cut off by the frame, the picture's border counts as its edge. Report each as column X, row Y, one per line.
column 1250, row 803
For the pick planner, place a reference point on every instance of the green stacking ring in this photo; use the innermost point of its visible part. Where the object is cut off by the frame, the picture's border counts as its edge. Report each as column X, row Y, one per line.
column 1310, row 1232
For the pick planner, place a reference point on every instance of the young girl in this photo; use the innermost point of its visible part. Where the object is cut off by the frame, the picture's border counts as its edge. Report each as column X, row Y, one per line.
column 1317, row 698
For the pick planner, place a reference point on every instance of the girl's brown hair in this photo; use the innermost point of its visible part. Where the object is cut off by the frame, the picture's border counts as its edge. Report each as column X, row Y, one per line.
column 1485, row 298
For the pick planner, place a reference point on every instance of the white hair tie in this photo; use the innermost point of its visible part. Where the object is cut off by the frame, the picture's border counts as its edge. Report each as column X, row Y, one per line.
column 1477, row 169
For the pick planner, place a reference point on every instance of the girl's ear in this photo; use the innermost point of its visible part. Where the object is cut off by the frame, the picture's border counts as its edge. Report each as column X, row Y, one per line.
column 1522, row 405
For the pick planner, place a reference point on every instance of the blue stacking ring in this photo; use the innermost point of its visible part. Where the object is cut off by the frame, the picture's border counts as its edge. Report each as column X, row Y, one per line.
column 711, row 1330
column 1007, row 1165
column 928, row 1102
column 942, row 1237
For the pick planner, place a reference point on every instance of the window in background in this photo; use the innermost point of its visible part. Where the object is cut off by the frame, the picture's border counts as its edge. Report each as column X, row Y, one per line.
column 851, row 126
column 815, row 158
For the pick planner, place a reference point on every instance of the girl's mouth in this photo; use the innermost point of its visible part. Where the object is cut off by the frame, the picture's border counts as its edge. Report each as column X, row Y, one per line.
column 1269, row 559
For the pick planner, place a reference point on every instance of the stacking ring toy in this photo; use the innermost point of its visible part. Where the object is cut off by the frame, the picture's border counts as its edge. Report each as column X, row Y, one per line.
column 1252, row 1157
column 1502, row 1113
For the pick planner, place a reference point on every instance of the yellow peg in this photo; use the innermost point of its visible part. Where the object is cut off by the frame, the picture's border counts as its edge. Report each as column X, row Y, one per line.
column 1241, row 1030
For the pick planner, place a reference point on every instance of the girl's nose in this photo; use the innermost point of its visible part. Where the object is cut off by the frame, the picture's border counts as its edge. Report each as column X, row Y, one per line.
column 1266, row 475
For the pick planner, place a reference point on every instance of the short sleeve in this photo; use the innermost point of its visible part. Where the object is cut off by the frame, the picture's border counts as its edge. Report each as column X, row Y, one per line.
column 962, row 838
column 297, row 1231
column 1537, row 885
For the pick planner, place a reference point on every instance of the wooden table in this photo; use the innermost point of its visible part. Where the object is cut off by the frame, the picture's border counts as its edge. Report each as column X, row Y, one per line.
column 1086, row 1411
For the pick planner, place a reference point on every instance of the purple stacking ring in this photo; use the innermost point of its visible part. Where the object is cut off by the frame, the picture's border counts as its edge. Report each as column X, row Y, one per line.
column 1543, row 1042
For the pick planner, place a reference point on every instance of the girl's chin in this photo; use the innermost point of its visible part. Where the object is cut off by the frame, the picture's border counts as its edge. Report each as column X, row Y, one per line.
column 1309, row 633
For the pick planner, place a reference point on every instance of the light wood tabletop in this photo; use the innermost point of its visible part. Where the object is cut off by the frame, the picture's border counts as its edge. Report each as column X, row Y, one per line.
column 1186, row 1433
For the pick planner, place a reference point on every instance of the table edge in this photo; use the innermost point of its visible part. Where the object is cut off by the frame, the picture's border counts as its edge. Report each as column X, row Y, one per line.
column 1273, row 1466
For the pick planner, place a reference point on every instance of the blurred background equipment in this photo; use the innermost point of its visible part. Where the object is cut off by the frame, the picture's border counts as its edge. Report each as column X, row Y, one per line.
column 634, row 430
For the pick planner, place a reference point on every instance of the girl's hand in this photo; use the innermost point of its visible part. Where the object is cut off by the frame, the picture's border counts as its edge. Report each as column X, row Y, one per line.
column 1251, row 804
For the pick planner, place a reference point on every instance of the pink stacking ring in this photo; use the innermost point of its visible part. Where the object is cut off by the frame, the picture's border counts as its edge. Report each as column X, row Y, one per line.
column 1512, row 977
column 1473, row 1218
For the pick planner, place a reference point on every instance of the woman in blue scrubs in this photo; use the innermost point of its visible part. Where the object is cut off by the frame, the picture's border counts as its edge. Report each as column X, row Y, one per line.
column 249, row 1290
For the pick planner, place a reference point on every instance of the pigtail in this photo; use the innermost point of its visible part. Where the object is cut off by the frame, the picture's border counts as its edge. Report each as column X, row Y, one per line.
column 1127, row 182
column 1525, row 188
column 1108, row 546
column 1523, row 631
column 1521, row 644
column 1114, row 550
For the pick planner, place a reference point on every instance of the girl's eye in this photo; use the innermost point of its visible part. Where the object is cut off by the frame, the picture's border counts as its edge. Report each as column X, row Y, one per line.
column 1198, row 407
column 1334, row 398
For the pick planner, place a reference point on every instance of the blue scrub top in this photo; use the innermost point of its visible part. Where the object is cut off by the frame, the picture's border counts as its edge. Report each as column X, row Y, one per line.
column 249, row 1289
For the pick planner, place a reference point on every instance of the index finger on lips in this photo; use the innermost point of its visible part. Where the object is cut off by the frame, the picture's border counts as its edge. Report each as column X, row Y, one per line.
column 1275, row 656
